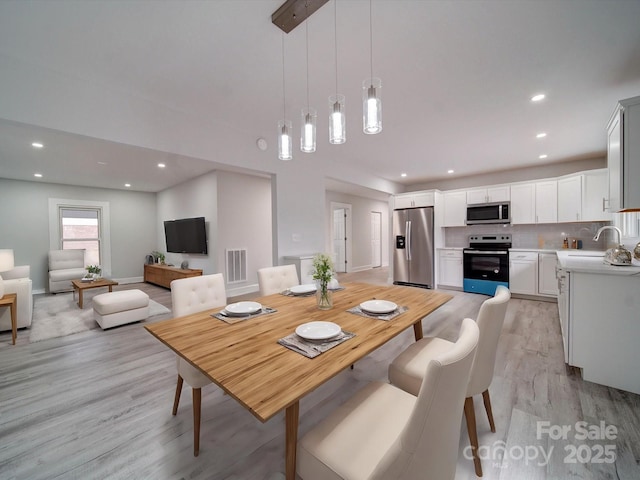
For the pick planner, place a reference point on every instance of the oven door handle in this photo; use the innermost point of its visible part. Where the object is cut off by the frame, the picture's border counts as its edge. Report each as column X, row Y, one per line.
column 486, row 252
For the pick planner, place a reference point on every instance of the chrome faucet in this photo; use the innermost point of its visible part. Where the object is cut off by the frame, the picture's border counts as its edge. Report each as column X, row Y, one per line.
column 608, row 227
column 616, row 255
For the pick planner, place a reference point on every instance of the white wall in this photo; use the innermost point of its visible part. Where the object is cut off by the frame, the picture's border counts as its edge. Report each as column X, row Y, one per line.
column 244, row 221
column 361, row 209
column 237, row 211
column 24, row 214
column 195, row 198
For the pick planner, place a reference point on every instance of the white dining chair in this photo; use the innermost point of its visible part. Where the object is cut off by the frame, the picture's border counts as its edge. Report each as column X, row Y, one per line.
column 407, row 369
column 192, row 295
column 277, row 279
column 384, row 432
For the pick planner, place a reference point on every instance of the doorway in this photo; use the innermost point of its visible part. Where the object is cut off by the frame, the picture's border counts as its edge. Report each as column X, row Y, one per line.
column 341, row 236
column 376, row 239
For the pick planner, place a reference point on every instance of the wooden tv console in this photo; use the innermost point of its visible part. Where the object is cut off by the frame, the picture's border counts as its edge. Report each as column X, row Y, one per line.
column 163, row 274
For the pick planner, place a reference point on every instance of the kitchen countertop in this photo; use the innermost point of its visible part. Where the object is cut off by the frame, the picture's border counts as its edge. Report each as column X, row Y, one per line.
column 537, row 250
column 590, row 261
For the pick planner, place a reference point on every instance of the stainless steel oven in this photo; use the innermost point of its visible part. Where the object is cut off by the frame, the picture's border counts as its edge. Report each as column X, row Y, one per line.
column 486, row 263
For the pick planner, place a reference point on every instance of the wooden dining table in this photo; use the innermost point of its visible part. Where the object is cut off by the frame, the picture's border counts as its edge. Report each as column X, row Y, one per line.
column 246, row 361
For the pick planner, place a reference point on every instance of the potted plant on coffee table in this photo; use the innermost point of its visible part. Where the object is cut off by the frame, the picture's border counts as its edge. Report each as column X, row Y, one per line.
column 93, row 271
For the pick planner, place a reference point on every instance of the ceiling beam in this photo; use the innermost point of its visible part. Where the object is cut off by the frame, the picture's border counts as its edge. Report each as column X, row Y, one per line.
column 293, row 12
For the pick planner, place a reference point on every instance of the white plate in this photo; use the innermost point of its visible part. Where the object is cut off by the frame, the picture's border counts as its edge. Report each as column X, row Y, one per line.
column 318, row 330
column 378, row 306
column 242, row 308
column 303, row 289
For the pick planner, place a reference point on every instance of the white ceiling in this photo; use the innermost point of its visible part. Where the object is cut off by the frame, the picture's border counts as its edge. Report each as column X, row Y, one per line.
column 457, row 78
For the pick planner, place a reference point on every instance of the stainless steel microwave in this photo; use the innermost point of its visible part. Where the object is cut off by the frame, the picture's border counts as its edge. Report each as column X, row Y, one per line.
column 489, row 213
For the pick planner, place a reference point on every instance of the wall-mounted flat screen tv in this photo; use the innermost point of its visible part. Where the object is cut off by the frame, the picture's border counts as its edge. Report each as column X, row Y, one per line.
column 186, row 235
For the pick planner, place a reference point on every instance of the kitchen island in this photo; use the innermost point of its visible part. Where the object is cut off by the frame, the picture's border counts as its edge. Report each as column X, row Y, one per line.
column 600, row 318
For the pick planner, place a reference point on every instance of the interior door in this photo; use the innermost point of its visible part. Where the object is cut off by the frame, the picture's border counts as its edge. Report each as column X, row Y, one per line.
column 376, row 239
column 340, row 240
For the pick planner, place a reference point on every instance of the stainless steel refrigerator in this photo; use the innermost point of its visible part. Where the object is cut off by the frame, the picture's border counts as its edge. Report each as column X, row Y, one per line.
column 413, row 237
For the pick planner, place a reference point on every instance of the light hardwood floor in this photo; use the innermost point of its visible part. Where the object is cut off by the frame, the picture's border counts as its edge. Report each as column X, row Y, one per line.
column 98, row 405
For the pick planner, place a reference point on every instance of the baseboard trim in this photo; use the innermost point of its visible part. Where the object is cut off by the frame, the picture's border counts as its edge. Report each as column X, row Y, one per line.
column 234, row 292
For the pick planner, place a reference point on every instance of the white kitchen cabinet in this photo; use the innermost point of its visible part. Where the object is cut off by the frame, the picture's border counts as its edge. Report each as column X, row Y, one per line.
column 623, row 156
column 582, row 196
column 500, row 193
column 547, row 201
column 523, row 203
column 455, row 209
column 523, row 272
column 547, row 281
column 414, row 199
column 594, row 194
column 450, row 268
column 570, row 199
column 604, row 329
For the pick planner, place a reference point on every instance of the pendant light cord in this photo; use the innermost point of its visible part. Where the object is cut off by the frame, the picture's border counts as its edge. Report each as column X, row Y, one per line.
column 335, row 36
column 371, row 37
column 284, row 100
column 306, row 24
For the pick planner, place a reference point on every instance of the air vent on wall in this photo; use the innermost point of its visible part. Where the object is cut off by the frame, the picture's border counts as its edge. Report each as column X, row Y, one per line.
column 236, row 265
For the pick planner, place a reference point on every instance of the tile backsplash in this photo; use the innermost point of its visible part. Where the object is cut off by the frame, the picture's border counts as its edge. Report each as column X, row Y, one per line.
column 543, row 236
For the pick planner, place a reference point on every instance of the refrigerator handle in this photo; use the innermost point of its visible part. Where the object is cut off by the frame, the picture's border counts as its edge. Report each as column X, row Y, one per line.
column 408, row 249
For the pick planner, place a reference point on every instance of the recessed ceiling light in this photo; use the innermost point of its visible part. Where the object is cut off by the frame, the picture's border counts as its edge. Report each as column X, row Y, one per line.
column 450, row 171
column 38, row 175
column 127, row 185
column 537, row 97
column 102, row 163
column 161, row 165
column 541, row 135
column 37, row 145
column 544, row 155
column 403, row 174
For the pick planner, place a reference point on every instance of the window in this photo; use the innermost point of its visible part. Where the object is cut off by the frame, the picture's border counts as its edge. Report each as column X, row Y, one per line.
column 80, row 229
column 84, row 224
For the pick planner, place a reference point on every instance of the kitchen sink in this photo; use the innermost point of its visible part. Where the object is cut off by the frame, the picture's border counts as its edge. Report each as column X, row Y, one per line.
column 587, row 254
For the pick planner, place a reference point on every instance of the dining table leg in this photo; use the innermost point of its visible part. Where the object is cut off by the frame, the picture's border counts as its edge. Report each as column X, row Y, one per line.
column 417, row 330
column 291, row 441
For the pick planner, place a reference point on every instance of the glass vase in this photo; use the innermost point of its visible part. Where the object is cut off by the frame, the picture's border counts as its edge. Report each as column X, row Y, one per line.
column 324, row 296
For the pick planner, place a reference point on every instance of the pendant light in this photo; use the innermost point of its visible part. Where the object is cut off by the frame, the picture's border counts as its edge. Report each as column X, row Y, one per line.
column 285, row 144
column 309, row 115
column 337, row 120
column 371, row 102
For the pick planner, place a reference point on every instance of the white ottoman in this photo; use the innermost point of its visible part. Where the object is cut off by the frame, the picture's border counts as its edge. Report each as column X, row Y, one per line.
column 117, row 308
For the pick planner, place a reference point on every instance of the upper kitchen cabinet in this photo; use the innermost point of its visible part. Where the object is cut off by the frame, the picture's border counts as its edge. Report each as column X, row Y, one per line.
column 414, row 199
column 494, row 194
column 582, row 197
column 455, row 208
column 534, row 202
column 623, row 156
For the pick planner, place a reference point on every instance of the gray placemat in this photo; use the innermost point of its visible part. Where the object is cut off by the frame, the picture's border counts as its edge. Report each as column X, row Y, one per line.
column 310, row 348
column 230, row 319
column 387, row 316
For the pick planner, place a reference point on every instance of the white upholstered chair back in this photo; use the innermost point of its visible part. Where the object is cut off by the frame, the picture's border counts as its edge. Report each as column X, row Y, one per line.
column 277, row 279
column 65, row 259
column 196, row 294
column 428, row 444
column 490, row 321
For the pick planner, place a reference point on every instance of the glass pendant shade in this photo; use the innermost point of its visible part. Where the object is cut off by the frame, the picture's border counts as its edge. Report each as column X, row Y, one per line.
column 372, row 106
column 337, row 120
column 308, row 130
column 285, row 143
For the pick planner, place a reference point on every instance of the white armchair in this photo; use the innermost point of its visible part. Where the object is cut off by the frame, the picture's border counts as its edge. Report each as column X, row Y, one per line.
column 17, row 281
column 64, row 266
